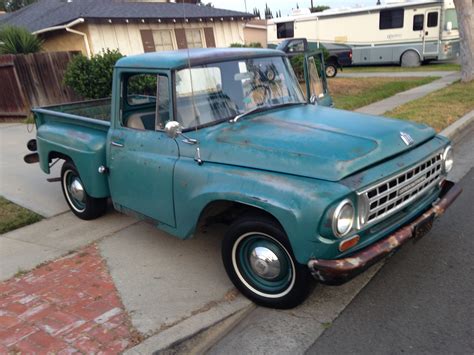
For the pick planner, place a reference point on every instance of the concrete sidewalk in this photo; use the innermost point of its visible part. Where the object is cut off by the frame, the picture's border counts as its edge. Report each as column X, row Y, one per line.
column 405, row 74
column 380, row 107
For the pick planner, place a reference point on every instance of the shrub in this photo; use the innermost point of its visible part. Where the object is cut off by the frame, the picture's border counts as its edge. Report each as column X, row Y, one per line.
column 18, row 40
column 92, row 78
column 249, row 45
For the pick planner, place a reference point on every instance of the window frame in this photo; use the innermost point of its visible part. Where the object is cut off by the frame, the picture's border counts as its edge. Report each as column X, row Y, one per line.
column 292, row 23
column 428, row 19
column 422, row 22
column 123, row 102
column 198, row 30
column 172, row 35
column 391, row 26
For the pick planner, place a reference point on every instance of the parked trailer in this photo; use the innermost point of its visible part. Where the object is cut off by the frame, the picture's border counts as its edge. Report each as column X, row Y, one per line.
column 402, row 32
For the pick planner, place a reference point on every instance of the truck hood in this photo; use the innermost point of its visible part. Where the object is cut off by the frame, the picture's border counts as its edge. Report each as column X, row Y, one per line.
column 310, row 141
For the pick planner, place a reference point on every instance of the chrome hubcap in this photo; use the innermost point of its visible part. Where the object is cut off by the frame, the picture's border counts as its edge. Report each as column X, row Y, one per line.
column 77, row 190
column 265, row 263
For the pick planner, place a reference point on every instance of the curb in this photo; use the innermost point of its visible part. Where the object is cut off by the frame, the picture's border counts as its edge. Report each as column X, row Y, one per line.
column 455, row 129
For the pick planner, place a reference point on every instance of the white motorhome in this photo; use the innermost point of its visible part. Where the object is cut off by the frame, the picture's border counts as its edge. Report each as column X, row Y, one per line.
column 403, row 32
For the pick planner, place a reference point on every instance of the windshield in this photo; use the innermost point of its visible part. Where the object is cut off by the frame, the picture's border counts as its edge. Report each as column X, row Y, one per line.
column 220, row 91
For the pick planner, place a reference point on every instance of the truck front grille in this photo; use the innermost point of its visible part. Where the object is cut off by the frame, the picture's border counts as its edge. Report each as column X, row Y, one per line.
column 391, row 195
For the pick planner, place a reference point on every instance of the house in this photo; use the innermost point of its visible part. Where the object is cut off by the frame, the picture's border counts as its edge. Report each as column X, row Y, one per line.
column 132, row 27
column 255, row 31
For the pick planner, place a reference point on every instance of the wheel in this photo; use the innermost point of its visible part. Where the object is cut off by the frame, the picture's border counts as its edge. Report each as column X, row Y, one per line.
column 80, row 203
column 331, row 70
column 410, row 59
column 259, row 261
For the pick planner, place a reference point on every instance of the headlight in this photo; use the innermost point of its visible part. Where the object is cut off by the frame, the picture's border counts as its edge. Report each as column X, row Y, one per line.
column 448, row 159
column 343, row 218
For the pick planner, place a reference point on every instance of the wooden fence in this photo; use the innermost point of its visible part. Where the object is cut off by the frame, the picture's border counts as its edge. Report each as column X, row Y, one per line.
column 31, row 80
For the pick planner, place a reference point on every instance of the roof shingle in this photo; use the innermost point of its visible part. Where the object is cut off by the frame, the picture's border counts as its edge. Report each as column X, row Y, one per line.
column 49, row 13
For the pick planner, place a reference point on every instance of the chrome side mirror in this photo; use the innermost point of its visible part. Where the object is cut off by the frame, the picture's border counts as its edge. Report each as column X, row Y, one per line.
column 173, row 129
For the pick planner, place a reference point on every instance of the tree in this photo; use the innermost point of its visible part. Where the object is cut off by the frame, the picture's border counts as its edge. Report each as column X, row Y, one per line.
column 18, row 40
column 268, row 13
column 464, row 12
column 319, row 8
column 14, row 5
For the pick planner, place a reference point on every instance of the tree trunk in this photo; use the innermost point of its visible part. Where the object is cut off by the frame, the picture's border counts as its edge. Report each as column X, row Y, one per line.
column 464, row 12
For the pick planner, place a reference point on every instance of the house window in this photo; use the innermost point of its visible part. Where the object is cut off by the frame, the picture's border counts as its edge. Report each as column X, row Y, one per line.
column 285, row 30
column 433, row 19
column 391, row 19
column 194, row 38
column 163, row 40
column 418, row 21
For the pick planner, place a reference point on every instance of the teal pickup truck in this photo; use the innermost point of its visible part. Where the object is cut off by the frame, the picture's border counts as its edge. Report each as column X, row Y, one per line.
column 228, row 135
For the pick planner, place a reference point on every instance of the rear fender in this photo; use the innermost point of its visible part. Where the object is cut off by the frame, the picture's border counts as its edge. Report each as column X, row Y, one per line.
column 85, row 147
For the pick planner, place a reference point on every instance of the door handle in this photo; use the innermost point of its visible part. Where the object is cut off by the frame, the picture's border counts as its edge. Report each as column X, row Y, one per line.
column 116, row 144
column 426, row 33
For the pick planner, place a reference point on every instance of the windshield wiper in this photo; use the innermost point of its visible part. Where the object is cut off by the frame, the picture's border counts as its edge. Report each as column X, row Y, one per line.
column 264, row 108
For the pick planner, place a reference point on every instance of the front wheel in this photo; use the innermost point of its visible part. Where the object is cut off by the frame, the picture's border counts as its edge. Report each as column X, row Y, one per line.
column 81, row 204
column 261, row 264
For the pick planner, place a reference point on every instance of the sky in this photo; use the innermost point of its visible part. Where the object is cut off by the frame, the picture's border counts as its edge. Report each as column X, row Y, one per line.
column 284, row 5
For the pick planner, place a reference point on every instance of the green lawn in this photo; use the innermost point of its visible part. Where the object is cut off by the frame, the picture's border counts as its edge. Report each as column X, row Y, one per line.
column 353, row 93
column 427, row 67
column 440, row 108
column 13, row 216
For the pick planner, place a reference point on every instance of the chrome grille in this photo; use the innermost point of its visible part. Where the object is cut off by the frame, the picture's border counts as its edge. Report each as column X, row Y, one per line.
column 391, row 195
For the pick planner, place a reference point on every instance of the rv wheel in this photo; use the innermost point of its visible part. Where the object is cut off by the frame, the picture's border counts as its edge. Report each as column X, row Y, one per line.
column 410, row 59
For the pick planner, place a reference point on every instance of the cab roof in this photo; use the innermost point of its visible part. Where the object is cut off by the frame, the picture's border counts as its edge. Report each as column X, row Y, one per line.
column 198, row 56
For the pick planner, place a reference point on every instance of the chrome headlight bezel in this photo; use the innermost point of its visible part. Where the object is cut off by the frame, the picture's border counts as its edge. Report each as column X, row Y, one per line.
column 336, row 218
column 448, row 159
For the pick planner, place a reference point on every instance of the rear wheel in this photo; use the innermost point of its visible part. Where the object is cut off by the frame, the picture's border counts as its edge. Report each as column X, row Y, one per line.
column 410, row 59
column 80, row 203
column 331, row 70
column 261, row 264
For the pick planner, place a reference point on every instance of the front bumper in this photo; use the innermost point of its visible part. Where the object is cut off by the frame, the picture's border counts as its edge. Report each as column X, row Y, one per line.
column 339, row 271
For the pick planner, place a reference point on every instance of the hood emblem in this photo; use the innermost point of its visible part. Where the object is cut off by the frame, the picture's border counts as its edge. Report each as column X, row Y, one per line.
column 406, row 138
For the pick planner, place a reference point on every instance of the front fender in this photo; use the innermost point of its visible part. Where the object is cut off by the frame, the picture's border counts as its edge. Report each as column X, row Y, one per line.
column 298, row 203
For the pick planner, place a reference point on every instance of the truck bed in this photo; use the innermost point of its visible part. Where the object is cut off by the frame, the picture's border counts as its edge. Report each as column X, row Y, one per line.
column 90, row 113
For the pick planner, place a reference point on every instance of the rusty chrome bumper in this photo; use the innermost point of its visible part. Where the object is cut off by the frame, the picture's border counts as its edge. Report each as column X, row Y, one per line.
column 339, row 271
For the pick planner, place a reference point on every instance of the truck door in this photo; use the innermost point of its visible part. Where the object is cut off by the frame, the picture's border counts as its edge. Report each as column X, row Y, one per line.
column 141, row 156
column 431, row 33
column 315, row 77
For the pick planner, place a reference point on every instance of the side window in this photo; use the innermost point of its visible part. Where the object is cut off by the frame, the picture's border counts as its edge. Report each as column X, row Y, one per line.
column 285, row 30
column 418, row 22
column 146, row 101
column 433, row 19
column 391, row 19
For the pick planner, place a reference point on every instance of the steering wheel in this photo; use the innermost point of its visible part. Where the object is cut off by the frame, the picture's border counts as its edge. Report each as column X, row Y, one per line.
column 267, row 93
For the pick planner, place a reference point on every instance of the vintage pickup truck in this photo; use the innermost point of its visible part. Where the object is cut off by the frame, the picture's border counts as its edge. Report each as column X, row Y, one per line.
column 227, row 136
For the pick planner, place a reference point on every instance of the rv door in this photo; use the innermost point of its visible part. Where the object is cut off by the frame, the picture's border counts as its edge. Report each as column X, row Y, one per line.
column 315, row 77
column 431, row 33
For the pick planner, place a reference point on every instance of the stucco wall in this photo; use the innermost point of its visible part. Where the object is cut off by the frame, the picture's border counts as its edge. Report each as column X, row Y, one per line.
column 61, row 40
column 127, row 39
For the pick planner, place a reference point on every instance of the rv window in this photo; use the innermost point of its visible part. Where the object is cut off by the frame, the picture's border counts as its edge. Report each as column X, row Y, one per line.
column 451, row 16
column 391, row 19
column 285, row 30
column 433, row 19
column 418, row 21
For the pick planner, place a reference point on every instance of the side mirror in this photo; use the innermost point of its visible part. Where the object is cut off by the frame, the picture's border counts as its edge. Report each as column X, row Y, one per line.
column 173, row 129
column 449, row 26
